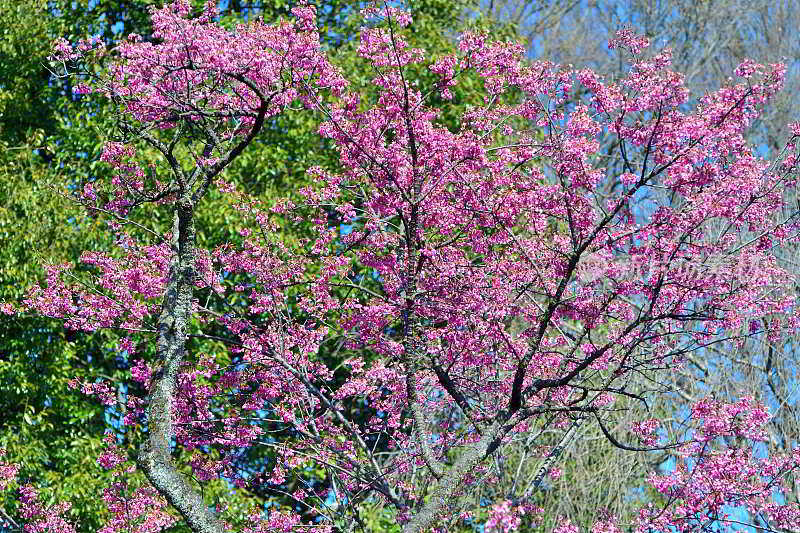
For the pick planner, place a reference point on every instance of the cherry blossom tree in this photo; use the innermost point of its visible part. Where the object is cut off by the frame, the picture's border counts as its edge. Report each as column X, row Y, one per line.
column 475, row 287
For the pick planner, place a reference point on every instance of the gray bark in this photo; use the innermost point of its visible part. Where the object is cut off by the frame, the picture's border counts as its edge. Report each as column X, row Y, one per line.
column 173, row 322
column 451, row 481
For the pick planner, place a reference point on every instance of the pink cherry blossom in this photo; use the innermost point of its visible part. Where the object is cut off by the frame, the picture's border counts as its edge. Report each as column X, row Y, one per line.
column 492, row 279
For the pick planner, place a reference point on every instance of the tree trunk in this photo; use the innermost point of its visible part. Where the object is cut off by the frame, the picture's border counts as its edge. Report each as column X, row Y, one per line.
column 173, row 323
